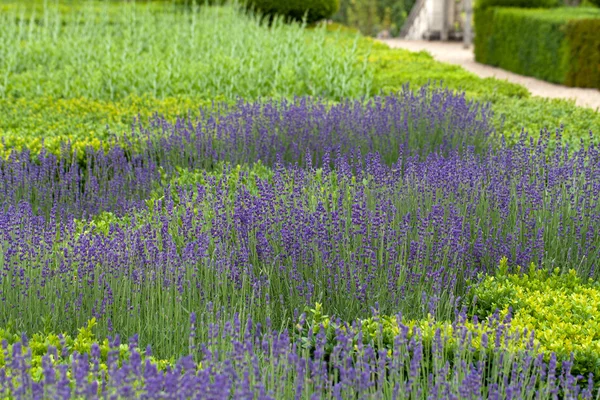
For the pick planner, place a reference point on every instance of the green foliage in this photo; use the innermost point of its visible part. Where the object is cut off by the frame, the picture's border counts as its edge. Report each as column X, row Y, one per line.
column 312, row 10
column 513, row 106
column 65, row 346
column 107, row 51
column 444, row 342
column 394, row 68
column 213, row 55
column 233, row 177
column 562, row 309
column 328, row 60
column 559, row 45
column 534, row 114
column 29, row 122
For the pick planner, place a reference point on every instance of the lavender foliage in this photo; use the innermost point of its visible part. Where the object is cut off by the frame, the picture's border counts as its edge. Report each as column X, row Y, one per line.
column 247, row 361
column 302, row 132
column 407, row 237
column 399, row 205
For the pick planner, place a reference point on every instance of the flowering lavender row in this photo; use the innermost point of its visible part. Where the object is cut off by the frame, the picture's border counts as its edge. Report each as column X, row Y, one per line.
column 304, row 132
column 240, row 361
column 60, row 186
column 307, row 131
column 407, row 237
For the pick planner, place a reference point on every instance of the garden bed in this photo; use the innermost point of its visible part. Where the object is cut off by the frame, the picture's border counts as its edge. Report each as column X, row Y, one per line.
column 318, row 229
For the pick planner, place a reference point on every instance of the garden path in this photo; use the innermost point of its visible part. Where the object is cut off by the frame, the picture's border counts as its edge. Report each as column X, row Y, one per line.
column 455, row 53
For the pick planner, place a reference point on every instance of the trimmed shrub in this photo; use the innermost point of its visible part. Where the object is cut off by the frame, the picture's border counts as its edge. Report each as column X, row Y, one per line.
column 561, row 308
column 553, row 312
column 584, row 53
column 517, row 3
column 559, row 45
column 314, row 10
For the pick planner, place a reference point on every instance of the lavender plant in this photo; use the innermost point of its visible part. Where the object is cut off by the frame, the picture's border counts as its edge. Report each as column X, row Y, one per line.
column 301, row 132
column 251, row 361
column 309, row 132
column 267, row 244
column 398, row 204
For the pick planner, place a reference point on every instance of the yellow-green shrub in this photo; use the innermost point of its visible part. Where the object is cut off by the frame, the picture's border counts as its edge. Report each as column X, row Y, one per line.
column 561, row 308
column 473, row 339
column 31, row 123
column 39, row 344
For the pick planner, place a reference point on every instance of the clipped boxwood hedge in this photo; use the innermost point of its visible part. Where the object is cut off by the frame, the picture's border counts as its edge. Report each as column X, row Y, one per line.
column 560, row 45
column 559, row 307
column 314, row 10
column 584, row 53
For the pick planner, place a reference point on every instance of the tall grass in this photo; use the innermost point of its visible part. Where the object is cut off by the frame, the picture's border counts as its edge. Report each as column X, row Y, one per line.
column 109, row 51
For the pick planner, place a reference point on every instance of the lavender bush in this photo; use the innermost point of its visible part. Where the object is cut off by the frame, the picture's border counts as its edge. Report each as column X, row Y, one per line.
column 398, row 204
column 266, row 244
column 302, row 132
column 310, row 132
column 249, row 361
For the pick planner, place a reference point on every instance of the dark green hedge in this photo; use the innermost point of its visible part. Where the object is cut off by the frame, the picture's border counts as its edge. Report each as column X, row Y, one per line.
column 517, row 3
column 584, row 53
column 314, row 10
column 561, row 45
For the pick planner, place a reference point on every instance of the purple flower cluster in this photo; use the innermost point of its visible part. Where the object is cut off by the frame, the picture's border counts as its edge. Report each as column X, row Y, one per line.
column 407, row 237
column 260, row 363
column 399, row 204
column 309, row 132
column 62, row 186
column 302, row 132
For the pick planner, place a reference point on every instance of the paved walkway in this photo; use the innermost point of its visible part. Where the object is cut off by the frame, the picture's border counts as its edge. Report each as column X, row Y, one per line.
column 454, row 53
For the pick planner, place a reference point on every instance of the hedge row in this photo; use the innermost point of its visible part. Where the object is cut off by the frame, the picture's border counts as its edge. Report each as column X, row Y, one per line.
column 312, row 10
column 560, row 45
column 558, row 307
column 296, row 10
column 514, row 108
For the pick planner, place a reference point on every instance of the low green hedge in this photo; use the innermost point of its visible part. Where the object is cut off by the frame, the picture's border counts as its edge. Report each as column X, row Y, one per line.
column 560, row 307
column 561, row 45
column 514, row 108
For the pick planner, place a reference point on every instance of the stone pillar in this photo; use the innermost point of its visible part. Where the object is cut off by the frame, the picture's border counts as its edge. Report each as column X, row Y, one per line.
column 444, row 32
column 468, row 30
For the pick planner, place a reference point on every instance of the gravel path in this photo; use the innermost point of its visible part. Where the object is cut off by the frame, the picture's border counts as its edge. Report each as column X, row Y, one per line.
column 454, row 53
